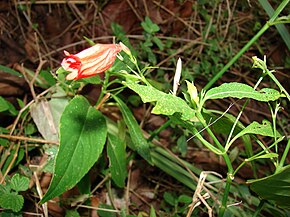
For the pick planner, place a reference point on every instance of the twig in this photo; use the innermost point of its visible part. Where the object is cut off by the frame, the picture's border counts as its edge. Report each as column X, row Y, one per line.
column 230, row 16
column 39, row 191
column 54, row 2
column 98, row 208
column 177, row 17
column 134, row 10
column 128, row 187
column 23, row 138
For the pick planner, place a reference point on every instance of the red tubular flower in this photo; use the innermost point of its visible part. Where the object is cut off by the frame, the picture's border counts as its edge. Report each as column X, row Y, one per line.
column 91, row 61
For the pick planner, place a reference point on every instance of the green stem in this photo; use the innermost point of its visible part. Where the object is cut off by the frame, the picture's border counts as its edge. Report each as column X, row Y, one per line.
column 156, row 132
column 248, row 45
column 259, row 208
column 104, row 88
column 225, row 196
column 227, row 161
column 278, row 84
column 283, row 158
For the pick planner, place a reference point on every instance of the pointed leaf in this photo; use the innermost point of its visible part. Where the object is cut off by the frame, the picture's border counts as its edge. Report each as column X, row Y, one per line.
column 239, row 90
column 82, row 137
column 275, row 187
column 264, row 129
column 135, row 131
column 117, row 154
column 166, row 104
column 263, row 156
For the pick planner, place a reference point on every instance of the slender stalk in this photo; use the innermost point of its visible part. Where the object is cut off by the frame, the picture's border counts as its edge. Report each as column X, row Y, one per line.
column 104, row 88
column 226, row 194
column 227, row 161
column 283, row 158
column 248, row 45
column 259, row 208
column 156, row 132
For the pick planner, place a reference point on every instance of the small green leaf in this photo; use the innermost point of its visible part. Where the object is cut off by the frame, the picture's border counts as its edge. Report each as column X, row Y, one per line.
column 158, row 42
column 166, row 104
column 83, row 134
column 5, row 188
column 3, row 104
column 10, row 71
column 11, row 201
column 182, row 145
column 264, row 156
column 184, row 199
column 264, row 129
column 71, row 213
column 104, row 213
column 274, row 187
column 19, row 183
column 149, row 26
column 91, row 42
column 169, row 198
column 7, row 106
column 239, row 90
column 117, row 154
column 152, row 212
column 135, row 132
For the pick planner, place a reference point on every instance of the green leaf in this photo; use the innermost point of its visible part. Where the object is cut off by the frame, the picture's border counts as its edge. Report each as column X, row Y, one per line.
column 166, row 104
column 149, row 26
column 158, row 42
column 135, row 132
column 169, row 198
column 83, row 134
column 152, row 212
column 91, row 42
column 7, row 106
column 5, row 188
column 107, row 212
column 274, row 187
column 19, row 183
column 184, row 199
column 71, row 213
column 264, row 129
column 3, row 104
column 20, row 155
column 239, row 90
column 10, row 71
column 11, row 201
column 117, row 154
column 264, row 156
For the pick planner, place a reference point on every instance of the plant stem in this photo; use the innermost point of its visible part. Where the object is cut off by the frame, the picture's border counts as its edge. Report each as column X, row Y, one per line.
column 227, row 161
column 156, row 132
column 225, row 196
column 259, row 208
column 249, row 44
column 104, row 88
column 283, row 158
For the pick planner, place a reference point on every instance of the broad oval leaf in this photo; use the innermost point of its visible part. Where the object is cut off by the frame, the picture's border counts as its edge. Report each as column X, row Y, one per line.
column 135, row 131
column 166, row 104
column 239, row 90
column 83, row 134
column 275, row 187
column 11, row 201
column 117, row 154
